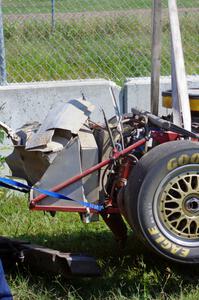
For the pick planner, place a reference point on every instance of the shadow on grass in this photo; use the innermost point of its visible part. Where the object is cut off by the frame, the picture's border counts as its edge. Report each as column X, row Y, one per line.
column 131, row 273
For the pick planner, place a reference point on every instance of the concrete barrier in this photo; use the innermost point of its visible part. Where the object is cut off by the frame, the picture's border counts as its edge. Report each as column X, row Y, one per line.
column 21, row 103
column 26, row 102
column 137, row 92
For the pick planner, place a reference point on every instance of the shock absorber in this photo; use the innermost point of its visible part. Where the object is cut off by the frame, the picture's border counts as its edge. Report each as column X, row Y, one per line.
column 115, row 221
column 126, row 166
column 125, row 169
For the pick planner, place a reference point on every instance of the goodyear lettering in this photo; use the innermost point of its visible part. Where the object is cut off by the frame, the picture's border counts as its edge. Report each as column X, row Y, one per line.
column 182, row 160
column 166, row 244
column 172, row 164
column 195, row 158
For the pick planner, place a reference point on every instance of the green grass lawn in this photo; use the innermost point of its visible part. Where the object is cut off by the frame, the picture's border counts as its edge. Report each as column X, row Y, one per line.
column 126, row 275
column 38, row 6
column 114, row 49
column 111, row 48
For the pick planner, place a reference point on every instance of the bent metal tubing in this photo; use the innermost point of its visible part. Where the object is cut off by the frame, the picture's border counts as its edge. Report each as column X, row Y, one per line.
column 116, row 155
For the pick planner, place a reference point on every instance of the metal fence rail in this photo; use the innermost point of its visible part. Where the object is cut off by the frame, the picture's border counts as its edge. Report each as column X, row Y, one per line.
column 64, row 39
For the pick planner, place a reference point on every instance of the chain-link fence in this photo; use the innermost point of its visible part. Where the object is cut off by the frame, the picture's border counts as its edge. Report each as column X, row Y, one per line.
column 70, row 39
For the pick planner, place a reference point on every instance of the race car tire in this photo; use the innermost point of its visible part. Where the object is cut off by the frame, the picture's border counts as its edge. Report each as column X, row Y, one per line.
column 162, row 200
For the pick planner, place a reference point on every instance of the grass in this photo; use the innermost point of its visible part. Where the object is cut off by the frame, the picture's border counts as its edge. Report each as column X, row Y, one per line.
column 112, row 48
column 129, row 274
column 65, row 6
column 115, row 49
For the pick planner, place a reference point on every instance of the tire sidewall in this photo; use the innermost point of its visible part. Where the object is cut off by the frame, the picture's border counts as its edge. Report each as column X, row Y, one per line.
column 145, row 208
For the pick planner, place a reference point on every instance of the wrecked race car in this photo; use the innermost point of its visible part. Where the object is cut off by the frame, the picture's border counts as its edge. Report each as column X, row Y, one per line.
column 136, row 166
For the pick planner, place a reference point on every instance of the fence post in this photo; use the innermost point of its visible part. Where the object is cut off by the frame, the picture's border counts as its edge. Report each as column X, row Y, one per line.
column 53, row 15
column 178, row 66
column 3, row 76
column 176, row 109
column 156, row 55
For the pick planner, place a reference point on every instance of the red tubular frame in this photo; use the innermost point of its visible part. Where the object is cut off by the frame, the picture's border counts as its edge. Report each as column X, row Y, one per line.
column 116, row 155
column 79, row 209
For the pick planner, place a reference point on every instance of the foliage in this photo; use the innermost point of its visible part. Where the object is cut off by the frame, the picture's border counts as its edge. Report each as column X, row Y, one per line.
column 129, row 274
column 65, row 6
column 113, row 48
